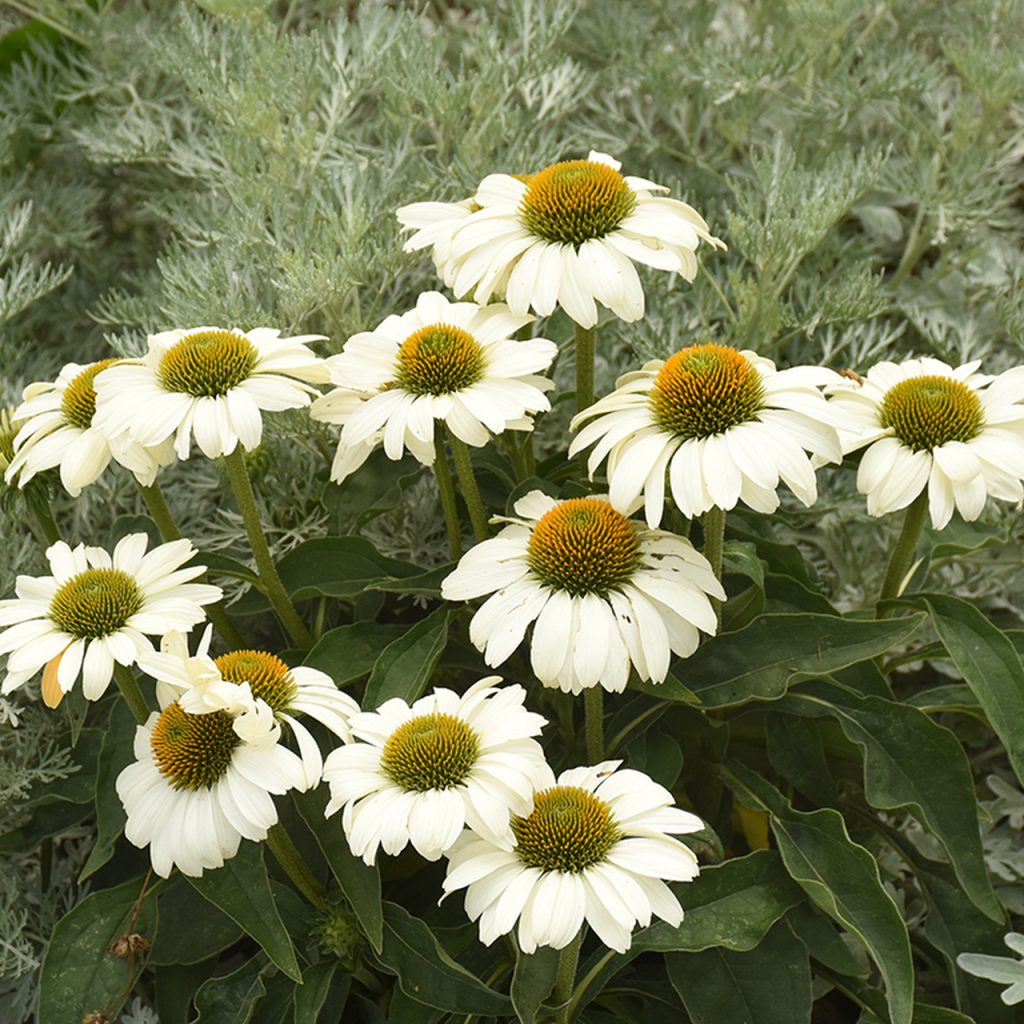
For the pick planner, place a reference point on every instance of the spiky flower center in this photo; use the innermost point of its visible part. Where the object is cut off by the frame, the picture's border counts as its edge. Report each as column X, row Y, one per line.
column 439, row 359
column 95, row 603
column 207, row 364
column 435, row 751
column 568, row 830
column 193, row 751
column 930, row 411
column 705, row 389
column 584, row 546
column 576, row 200
column 78, row 403
column 268, row 676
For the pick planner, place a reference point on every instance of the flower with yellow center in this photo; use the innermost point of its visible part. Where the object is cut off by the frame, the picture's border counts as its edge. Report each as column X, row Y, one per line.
column 421, row 774
column 212, row 383
column 241, row 682
column 97, row 609
column 924, row 424
column 602, row 592
column 595, row 847
column 56, row 429
column 450, row 362
column 201, row 783
column 568, row 235
column 721, row 425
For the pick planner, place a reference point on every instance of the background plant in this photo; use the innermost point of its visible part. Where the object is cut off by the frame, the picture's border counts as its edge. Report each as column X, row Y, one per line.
column 237, row 162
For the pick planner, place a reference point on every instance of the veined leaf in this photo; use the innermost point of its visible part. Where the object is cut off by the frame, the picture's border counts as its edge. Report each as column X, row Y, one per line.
column 405, row 666
column 532, row 982
column 338, row 567
column 348, row 652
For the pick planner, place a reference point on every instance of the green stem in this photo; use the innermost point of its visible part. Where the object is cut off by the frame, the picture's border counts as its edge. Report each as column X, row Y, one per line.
column 593, row 711
column 43, row 514
column 470, row 491
column 238, row 475
column 129, row 687
column 714, row 547
column 445, row 487
column 903, row 554
column 586, row 347
column 160, row 513
column 283, row 849
column 568, row 961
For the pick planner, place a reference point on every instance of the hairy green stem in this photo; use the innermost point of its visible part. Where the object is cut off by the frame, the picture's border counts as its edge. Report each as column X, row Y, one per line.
column 593, row 711
column 586, row 348
column 238, row 476
column 129, row 687
column 446, row 489
column 903, row 553
column 568, row 961
column 470, row 491
column 714, row 547
column 160, row 513
column 286, row 854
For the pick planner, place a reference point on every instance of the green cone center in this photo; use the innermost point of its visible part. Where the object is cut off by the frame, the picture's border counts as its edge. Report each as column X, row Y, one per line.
column 95, row 603
column 269, row 678
column 193, row 751
column 568, row 830
column 439, row 359
column 78, row 403
column 928, row 412
column 435, row 751
column 207, row 364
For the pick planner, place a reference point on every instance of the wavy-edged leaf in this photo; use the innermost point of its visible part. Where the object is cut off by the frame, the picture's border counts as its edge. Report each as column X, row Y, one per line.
column 405, row 666
column 241, row 889
column 842, row 878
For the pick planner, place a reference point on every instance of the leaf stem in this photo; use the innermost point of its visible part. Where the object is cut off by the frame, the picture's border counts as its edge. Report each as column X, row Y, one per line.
column 568, row 961
column 903, row 553
column 467, row 481
column 129, row 687
column 593, row 711
column 238, row 475
column 446, row 489
column 160, row 513
column 288, row 856
column 714, row 547
column 586, row 349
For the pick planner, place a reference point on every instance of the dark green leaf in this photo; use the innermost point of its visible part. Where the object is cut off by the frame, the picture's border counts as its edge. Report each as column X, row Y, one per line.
column 740, row 558
column 231, row 998
column 427, row 974
column 774, row 651
column 175, row 986
column 220, row 565
column 911, row 761
column 989, row 664
column 359, row 882
column 952, row 697
column 824, row 942
column 405, row 666
column 427, row 584
column 192, row 929
column 311, row 995
column 532, row 982
column 338, row 567
column 403, row 1009
column 80, row 975
column 797, row 753
column 348, row 652
column 277, row 1005
column 375, row 487
column 770, row 984
column 842, row 878
column 242, row 890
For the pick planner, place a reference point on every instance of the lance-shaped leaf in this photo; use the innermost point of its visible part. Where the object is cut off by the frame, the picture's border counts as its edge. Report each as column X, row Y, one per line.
column 405, row 666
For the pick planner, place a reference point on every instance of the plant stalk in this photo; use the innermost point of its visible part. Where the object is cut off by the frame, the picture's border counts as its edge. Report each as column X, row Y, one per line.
column 714, row 547
column 446, row 489
column 470, row 490
column 238, row 476
column 568, row 961
column 129, row 687
column 586, row 348
column 903, row 553
column 593, row 711
column 286, row 854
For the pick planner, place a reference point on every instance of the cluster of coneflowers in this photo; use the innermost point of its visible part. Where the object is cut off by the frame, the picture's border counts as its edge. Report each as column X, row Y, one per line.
column 603, row 595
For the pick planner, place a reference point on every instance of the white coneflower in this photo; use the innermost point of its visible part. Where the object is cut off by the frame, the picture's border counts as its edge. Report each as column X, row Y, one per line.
column 925, row 425
column 597, row 846
column 56, row 429
column 450, row 362
column 421, row 774
column 208, row 382
column 203, row 782
column 433, row 225
column 567, row 235
column 96, row 610
column 238, row 681
column 601, row 591
column 723, row 426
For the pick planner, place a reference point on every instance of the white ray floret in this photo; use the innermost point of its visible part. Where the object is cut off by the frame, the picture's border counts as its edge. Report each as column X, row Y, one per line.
column 601, row 591
column 96, row 610
column 566, row 236
column 443, row 362
column 201, row 783
column 926, row 426
column 596, row 847
column 720, row 425
column 239, row 682
column 56, row 430
column 421, row 774
column 210, row 383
